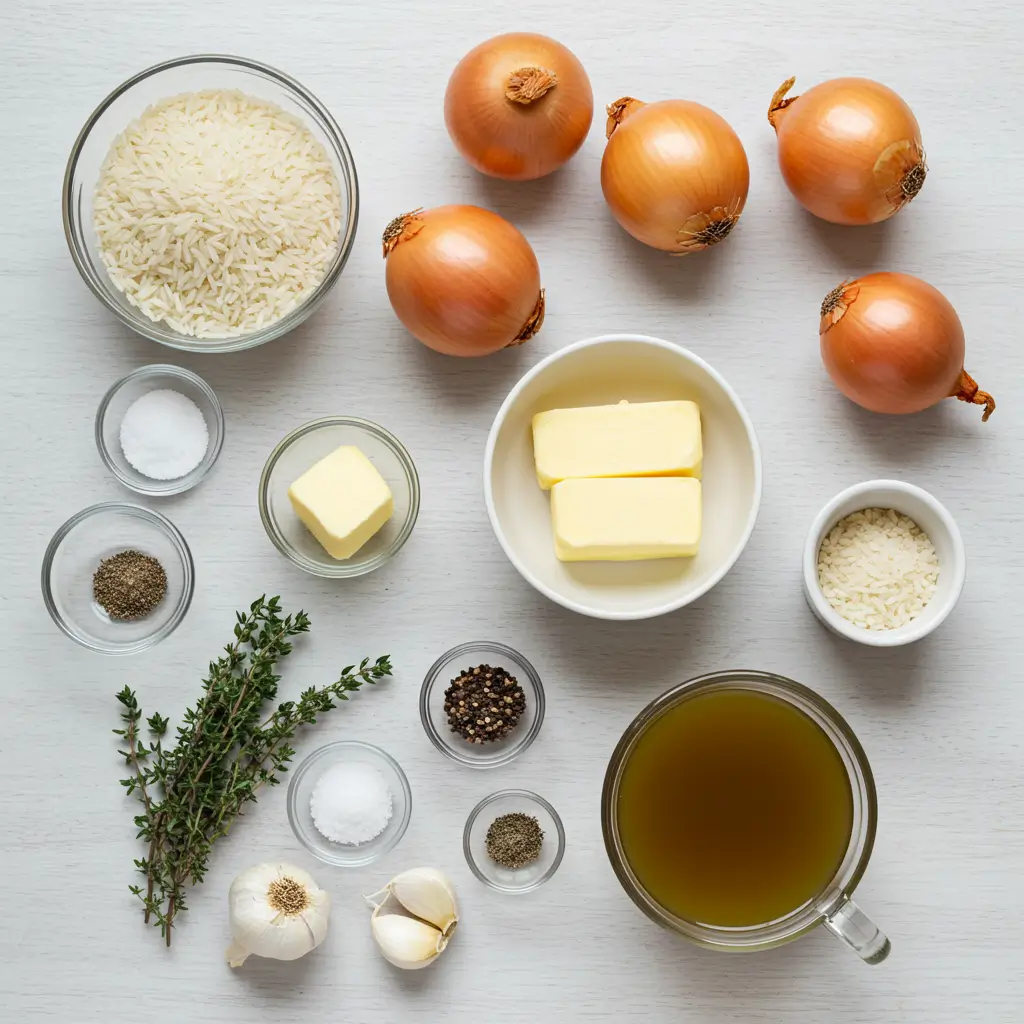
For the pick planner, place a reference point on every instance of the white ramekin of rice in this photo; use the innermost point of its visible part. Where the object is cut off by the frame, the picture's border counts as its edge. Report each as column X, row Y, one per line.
column 931, row 516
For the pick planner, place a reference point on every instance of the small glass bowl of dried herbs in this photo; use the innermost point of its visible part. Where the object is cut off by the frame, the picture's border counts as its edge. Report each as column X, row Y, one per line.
column 117, row 578
column 482, row 704
column 514, row 841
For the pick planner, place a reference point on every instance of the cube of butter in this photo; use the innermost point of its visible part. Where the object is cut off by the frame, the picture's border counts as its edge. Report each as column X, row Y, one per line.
column 628, row 439
column 342, row 500
column 626, row 519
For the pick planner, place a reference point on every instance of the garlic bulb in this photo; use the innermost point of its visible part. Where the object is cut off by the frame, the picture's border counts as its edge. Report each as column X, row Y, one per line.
column 417, row 916
column 276, row 911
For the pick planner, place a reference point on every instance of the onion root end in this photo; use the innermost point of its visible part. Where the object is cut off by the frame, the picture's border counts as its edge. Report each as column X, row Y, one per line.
column 836, row 303
column 529, row 84
column 403, row 227
column 704, row 230
column 533, row 323
column 901, row 171
column 912, row 182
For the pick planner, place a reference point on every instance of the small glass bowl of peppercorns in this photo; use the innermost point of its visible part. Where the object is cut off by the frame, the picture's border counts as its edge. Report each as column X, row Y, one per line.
column 482, row 704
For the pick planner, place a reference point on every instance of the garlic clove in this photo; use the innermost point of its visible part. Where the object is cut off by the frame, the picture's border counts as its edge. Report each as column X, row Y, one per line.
column 406, row 942
column 427, row 894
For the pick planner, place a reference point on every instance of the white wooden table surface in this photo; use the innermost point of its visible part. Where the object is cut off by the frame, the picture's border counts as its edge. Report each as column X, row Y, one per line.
column 942, row 721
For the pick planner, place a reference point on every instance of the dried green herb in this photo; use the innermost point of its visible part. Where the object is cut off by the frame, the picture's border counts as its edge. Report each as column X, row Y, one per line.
column 226, row 748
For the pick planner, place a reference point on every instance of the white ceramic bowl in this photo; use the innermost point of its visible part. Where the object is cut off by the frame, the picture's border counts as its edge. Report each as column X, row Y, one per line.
column 602, row 371
column 931, row 515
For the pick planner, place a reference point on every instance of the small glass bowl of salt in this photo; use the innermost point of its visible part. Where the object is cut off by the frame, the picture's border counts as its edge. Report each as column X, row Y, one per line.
column 349, row 803
column 160, row 429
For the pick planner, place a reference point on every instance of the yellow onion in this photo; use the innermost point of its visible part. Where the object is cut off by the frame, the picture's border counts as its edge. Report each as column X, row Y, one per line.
column 463, row 280
column 893, row 343
column 850, row 149
column 674, row 174
column 518, row 106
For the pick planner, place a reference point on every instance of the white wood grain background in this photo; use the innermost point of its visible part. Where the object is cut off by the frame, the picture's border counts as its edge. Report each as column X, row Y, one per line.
column 941, row 721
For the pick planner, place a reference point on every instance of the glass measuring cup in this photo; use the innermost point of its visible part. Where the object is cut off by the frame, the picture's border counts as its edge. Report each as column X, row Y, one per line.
column 833, row 906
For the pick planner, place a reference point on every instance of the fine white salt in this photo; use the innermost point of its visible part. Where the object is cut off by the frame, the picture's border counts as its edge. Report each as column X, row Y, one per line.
column 164, row 435
column 351, row 803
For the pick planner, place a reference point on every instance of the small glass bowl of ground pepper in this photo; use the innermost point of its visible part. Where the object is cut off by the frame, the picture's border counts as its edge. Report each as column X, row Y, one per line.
column 117, row 578
column 514, row 841
column 482, row 704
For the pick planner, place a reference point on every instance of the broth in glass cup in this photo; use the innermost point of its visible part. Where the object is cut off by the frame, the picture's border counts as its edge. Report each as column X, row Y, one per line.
column 739, row 810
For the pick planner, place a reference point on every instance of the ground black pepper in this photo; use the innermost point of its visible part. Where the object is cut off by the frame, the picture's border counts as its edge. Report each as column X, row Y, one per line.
column 514, row 840
column 129, row 585
column 484, row 704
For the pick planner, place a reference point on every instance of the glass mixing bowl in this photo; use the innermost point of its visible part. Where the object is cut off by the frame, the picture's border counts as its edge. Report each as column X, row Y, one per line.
column 127, row 102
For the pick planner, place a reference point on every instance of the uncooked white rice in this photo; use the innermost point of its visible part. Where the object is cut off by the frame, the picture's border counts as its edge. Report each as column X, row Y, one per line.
column 217, row 213
column 877, row 568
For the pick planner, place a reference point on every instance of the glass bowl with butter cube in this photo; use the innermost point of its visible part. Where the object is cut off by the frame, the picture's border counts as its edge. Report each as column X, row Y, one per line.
column 339, row 496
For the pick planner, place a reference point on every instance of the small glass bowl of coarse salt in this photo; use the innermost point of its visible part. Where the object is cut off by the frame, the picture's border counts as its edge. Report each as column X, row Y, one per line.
column 883, row 563
column 160, row 429
column 349, row 803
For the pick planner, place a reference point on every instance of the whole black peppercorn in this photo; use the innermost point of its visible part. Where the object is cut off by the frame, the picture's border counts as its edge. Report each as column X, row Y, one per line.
column 484, row 704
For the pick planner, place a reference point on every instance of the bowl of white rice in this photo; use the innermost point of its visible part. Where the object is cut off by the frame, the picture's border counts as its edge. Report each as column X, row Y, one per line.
column 210, row 202
column 883, row 563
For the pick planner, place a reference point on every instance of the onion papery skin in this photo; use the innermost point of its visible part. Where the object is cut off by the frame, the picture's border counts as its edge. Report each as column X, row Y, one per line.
column 849, row 149
column 894, row 344
column 463, row 280
column 518, row 106
column 674, row 173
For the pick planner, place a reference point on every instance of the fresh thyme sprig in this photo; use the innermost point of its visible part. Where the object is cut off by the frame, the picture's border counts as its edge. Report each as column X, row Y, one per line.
column 226, row 748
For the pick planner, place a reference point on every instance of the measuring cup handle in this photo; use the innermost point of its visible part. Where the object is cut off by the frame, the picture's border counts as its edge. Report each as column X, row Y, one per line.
column 858, row 931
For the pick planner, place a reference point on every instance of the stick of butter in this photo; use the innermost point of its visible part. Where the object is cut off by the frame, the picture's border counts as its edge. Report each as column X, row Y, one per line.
column 626, row 519
column 342, row 500
column 628, row 439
